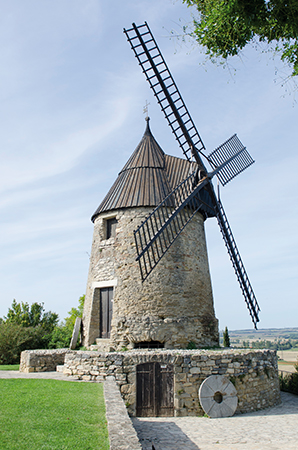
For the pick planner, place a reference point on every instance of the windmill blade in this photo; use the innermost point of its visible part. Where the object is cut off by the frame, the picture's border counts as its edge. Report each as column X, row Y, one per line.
column 161, row 228
column 165, row 90
column 155, row 236
column 233, row 155
column 246, row 288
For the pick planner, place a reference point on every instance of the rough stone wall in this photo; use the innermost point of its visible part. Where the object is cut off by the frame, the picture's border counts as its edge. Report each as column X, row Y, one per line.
column 42, row 360
column 254, row 374
column 174, row 305
column 101, row 269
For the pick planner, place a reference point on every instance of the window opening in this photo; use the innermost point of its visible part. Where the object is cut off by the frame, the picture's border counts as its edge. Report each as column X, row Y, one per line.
column 149, row 344
column 111, row 227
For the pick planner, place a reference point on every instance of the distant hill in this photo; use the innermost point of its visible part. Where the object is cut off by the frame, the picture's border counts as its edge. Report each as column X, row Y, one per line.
column 264, row 334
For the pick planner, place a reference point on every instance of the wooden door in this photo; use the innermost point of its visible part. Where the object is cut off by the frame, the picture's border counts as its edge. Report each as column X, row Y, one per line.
column 166, row 390
column 106, row 311
column 155, row 387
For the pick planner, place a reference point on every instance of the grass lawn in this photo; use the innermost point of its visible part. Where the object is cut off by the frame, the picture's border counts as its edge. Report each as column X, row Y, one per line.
column 52, row 415
column 11, row 367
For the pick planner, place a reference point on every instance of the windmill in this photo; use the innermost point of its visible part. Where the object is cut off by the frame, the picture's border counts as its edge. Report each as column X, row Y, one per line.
column 195, row 193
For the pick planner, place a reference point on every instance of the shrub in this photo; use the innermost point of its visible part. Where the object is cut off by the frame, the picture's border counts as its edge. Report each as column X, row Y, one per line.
column 15, row 338
column 191, row 346
column 61, row 337
column 289, row 383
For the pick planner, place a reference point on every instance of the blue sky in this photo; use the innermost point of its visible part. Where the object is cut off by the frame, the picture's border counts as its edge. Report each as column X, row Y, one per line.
column 71, row 111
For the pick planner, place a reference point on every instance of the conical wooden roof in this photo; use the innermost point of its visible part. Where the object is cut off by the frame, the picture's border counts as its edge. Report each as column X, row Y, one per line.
column 146, row 179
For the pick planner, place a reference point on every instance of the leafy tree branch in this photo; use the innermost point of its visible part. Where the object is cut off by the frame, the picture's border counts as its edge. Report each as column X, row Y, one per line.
column 225, row 27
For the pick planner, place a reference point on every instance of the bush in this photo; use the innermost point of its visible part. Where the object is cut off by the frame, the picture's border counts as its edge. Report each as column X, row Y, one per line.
column 289, row 383
column 15, row 338
column 61, row 337
column 29, row 327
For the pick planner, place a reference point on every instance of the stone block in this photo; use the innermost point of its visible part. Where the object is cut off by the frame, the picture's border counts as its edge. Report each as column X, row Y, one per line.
column 180, row 377
column 86, row 377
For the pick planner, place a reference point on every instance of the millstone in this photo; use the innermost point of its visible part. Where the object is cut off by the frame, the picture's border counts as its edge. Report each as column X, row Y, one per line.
column 218, row 396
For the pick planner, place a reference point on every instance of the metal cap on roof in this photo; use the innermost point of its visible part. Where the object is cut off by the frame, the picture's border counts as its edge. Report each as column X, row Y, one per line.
column 146, row 179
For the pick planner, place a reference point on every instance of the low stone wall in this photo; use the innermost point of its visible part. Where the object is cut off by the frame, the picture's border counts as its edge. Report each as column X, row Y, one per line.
column 254, row 374
column 42, row 360
column 122, row 434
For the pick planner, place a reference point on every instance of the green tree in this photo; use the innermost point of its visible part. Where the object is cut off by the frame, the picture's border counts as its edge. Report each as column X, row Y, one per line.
column 74, row 313
column 225, row 27
column 24, row 328
column 226, row 338
column 15, row 338
column 62, row 333
column 31, row 316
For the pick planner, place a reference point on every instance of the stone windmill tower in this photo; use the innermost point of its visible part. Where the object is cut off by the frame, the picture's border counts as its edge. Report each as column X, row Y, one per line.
column 173, row 307
column 156, row 210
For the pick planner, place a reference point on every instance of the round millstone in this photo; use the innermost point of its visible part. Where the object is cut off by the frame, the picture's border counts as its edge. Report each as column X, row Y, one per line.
column 218, row 396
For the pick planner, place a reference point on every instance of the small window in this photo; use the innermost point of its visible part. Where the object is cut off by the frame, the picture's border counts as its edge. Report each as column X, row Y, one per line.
column 111, row 227
column 149, row 344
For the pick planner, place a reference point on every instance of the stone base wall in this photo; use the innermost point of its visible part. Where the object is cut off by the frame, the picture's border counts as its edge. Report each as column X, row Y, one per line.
column 175, row 333
column 42, row 360
column 254, row 374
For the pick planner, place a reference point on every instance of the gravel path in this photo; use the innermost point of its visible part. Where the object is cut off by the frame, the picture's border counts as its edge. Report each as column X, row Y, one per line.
column 38, row 375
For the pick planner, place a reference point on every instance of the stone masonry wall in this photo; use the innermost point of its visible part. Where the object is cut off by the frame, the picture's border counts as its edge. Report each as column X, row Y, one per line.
column 42, row 360
column 174, row 305
column 254, row 374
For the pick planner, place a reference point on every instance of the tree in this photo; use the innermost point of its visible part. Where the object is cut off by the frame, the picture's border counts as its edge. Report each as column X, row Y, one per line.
column 15, row 338
column 24, row 328
column 225, row 27
column 226, row 338
column 62, row 333
column 31, row 316
column 74, row 313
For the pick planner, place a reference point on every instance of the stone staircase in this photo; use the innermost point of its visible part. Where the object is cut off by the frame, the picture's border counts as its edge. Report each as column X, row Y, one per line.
column 102, row 345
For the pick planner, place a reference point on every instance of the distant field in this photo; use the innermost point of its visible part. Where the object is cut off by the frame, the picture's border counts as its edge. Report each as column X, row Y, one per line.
column 286, row 367
column 289, row 358
column 288, row 355
column 265, row 333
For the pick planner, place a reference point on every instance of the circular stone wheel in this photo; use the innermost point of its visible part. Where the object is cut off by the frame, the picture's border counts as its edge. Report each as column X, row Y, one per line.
column 218, row 396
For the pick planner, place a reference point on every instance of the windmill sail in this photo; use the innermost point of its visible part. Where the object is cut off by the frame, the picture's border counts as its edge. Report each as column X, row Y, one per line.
column 165, row 90
column 233, row 155
column 155, row 236
column 242, row 277
column 161, row 228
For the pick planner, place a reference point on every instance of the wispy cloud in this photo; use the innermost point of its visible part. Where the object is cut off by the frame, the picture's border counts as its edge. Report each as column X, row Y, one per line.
column 71, row 114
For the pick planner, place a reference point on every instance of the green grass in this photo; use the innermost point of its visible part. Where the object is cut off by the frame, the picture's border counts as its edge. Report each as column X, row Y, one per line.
column 52, row 415
column 284, row 363
column 10, row 367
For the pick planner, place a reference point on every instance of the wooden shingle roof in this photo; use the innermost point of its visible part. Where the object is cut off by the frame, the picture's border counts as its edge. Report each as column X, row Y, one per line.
column 146, row 179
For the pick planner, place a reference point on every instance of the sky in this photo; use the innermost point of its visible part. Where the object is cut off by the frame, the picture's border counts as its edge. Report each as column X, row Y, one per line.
column 71, row 114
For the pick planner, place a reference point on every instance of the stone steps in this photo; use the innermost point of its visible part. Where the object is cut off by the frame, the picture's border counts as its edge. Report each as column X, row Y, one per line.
column 102, row 345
